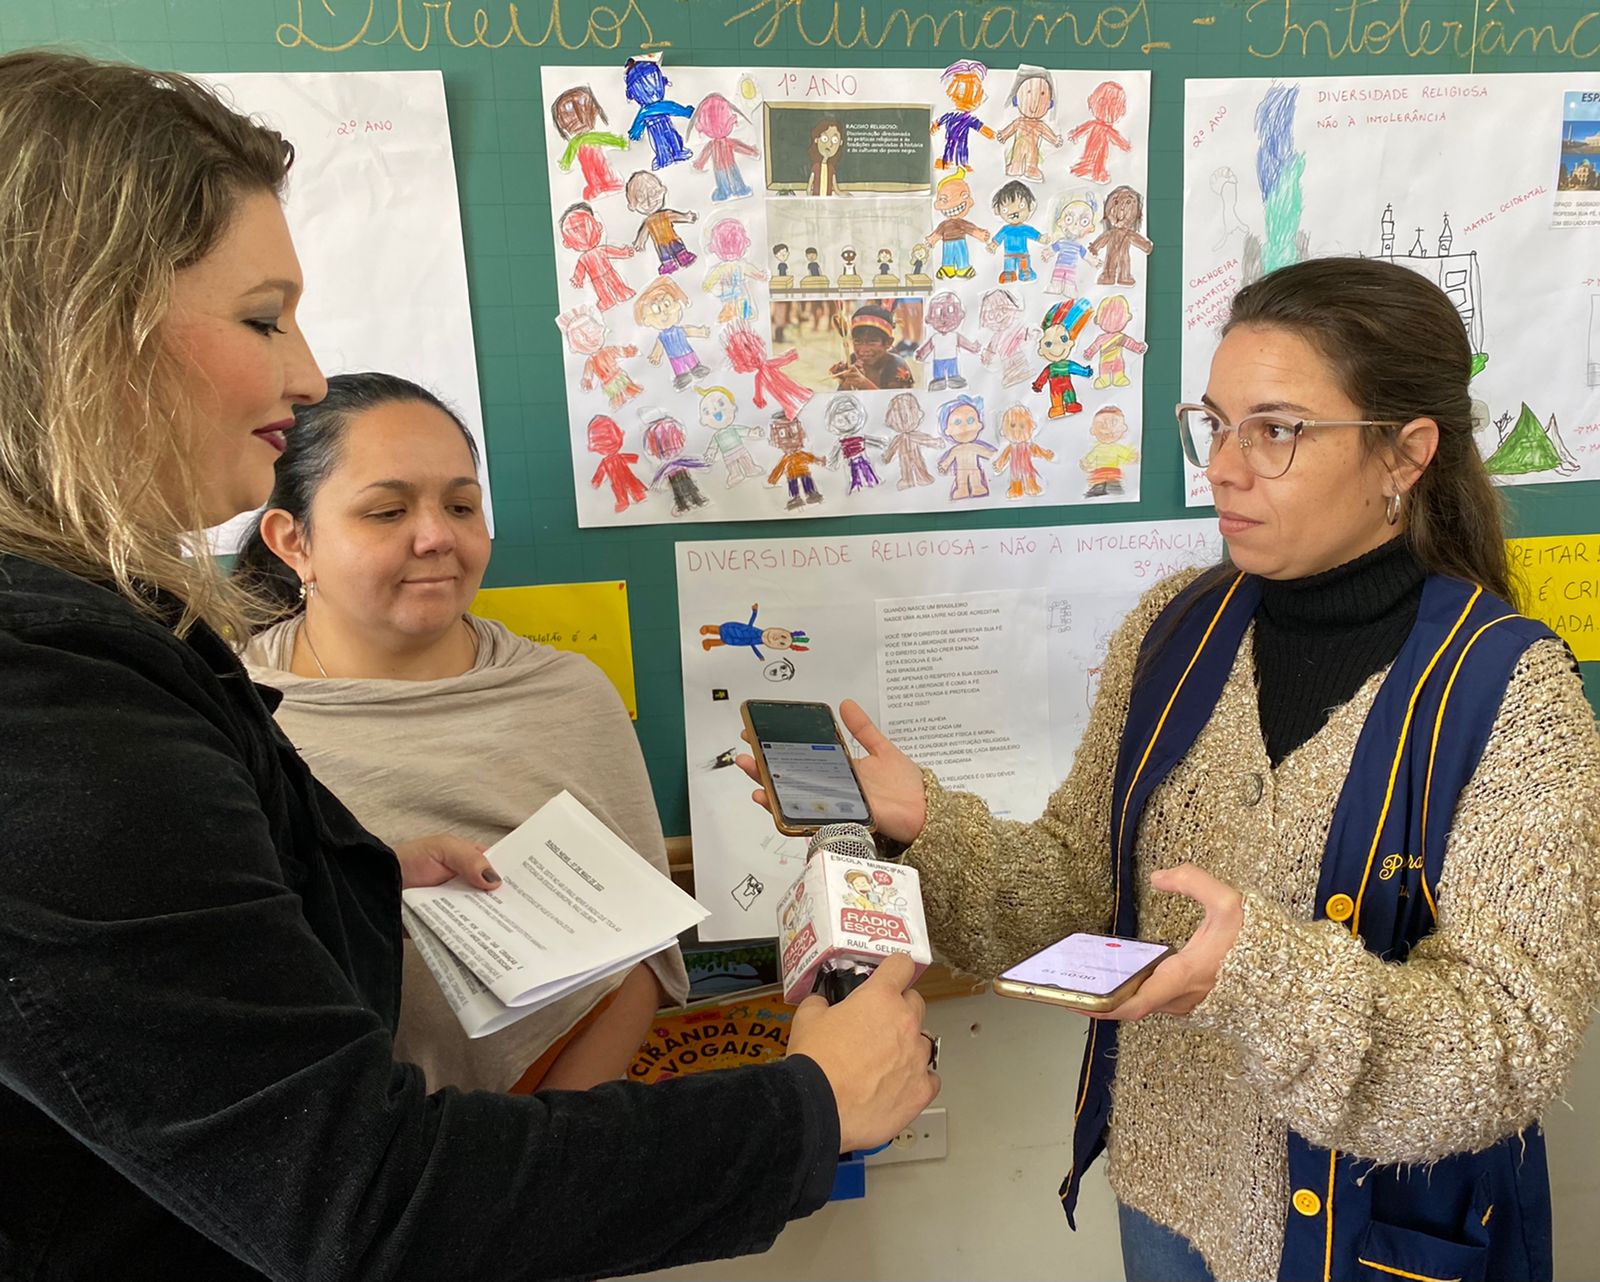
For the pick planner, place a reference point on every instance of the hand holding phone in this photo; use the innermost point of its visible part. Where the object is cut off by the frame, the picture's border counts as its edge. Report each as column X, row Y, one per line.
column 890, row 780
column 804, row 766
column 1089, row 973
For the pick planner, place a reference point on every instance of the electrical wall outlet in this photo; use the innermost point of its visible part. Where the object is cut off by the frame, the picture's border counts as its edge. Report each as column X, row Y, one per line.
column 926, row 1138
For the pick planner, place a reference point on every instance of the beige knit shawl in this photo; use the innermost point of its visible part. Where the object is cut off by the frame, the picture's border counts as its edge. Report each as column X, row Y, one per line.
column 473, row 755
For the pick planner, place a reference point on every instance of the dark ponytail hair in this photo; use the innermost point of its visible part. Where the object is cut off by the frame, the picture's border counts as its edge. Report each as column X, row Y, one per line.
column 1401, row 352
column 315, row 449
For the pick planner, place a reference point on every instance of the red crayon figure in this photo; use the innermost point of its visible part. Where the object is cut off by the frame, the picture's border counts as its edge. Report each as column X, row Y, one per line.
column 716, row 118
column 586, row 335
column 748, row 355
column 605, row 439
column 1108, row 104
column 574, row 114
column 1018, row 427
column 583, row 232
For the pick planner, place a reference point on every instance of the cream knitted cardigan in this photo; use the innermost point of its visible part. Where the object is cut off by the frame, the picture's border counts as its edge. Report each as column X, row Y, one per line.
column 1466, row 1042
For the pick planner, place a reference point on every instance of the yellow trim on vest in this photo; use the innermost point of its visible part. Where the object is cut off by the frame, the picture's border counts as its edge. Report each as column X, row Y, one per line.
column 1327, row 1207
column 1122, row 822
column 1399, row 753
column 1433, row 748
column 1401, row 1273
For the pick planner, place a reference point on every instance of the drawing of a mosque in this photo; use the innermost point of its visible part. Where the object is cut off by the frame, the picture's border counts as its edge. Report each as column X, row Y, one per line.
column 1455, row 273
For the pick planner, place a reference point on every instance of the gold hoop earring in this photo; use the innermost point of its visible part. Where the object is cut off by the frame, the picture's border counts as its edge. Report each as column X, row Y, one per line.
column 308, row 587
column 1391, row 513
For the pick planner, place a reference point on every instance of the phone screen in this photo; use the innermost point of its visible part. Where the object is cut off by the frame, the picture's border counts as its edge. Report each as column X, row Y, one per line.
column 1092, row 964
column 809, row 767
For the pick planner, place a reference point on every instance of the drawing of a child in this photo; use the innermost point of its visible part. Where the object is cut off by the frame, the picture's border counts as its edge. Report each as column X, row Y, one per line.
column 1106, row 459
column 961, row 421
column 735, row 633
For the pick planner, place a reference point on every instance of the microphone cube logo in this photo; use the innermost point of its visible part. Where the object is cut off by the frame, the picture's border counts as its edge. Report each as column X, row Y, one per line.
column 797, row 947
column 873, row 925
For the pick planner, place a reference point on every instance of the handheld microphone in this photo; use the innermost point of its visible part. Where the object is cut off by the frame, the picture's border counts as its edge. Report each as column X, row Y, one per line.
column 846, row 912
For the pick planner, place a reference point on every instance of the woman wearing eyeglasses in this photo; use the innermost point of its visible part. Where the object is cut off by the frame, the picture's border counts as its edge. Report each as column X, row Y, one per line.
column 1355, row 788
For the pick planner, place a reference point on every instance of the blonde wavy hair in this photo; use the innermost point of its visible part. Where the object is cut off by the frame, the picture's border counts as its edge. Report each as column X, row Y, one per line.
column 112, row 179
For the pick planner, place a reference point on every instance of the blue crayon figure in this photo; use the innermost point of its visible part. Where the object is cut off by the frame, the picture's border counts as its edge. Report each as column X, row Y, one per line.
column 736, row 633
column 645, row 85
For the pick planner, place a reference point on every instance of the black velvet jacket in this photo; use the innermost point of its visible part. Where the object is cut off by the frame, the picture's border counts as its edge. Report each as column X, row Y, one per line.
column 200, row 960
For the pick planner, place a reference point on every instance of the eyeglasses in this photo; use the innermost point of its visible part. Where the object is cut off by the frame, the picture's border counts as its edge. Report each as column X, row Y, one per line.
column 1267, row 441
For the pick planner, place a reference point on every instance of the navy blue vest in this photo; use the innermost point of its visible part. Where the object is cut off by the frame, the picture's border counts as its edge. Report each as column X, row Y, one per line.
column 1470, row 1216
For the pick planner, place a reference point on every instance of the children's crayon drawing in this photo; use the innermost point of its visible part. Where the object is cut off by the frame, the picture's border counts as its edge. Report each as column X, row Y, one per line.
column 788, row 293
column 1278, row 171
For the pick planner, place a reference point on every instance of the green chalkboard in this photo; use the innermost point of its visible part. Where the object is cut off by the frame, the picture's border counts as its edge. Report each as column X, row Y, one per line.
column 491, row 52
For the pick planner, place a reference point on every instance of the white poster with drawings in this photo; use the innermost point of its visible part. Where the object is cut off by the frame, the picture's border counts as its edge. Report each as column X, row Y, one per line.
column 791, row 293
column 371, row 202
column 978, row 650
column 1486, row 184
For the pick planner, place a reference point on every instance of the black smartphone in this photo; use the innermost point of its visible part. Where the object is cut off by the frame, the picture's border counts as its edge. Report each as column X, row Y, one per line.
column 804, row 765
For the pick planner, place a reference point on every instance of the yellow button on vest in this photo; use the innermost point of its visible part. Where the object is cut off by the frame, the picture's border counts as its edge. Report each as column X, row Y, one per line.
column 1307, row 1202
column 1339, row 909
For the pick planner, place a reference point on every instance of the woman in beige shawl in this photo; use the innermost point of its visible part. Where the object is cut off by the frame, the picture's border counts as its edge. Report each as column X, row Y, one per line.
column 423, row 718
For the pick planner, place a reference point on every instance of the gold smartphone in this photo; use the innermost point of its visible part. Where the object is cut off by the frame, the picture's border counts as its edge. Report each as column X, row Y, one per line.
column 804, row 766
column 1094, row 973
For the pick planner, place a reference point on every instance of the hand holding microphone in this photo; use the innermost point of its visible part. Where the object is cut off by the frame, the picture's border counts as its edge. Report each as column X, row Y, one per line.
column 847, row 911
column 874, row 1053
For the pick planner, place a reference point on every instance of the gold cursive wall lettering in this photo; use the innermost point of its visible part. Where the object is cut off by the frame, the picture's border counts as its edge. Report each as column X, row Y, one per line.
column 419, row 24
column 1273, row 29
column 1284, row 27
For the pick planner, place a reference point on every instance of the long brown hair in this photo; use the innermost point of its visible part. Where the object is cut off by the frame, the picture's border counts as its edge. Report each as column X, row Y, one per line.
column 1401, row 352
column 112, row 179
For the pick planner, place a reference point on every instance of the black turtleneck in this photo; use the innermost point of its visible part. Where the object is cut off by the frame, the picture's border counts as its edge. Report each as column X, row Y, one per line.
column 1319, row 638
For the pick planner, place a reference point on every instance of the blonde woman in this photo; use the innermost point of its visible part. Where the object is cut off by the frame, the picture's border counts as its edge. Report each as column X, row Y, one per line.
column 199, row 945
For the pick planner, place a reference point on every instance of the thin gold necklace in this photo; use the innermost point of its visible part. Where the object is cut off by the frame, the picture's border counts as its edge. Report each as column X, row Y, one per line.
column 305, row 633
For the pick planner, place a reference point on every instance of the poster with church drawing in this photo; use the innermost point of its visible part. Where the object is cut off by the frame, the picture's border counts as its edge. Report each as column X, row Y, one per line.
column 1400, row 168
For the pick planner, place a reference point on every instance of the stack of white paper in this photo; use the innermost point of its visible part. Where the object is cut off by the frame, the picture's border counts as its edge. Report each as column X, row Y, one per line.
column 575, row 904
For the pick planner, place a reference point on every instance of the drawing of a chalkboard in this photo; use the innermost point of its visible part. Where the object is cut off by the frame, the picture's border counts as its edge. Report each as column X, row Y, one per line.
column 823, row 149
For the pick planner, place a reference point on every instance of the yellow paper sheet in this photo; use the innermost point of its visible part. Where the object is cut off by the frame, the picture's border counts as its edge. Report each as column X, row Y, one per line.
column 590, row 618
column 1560, row 582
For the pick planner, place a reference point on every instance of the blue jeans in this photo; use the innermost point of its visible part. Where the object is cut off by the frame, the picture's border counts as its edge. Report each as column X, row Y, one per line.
column 1151, row 1253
